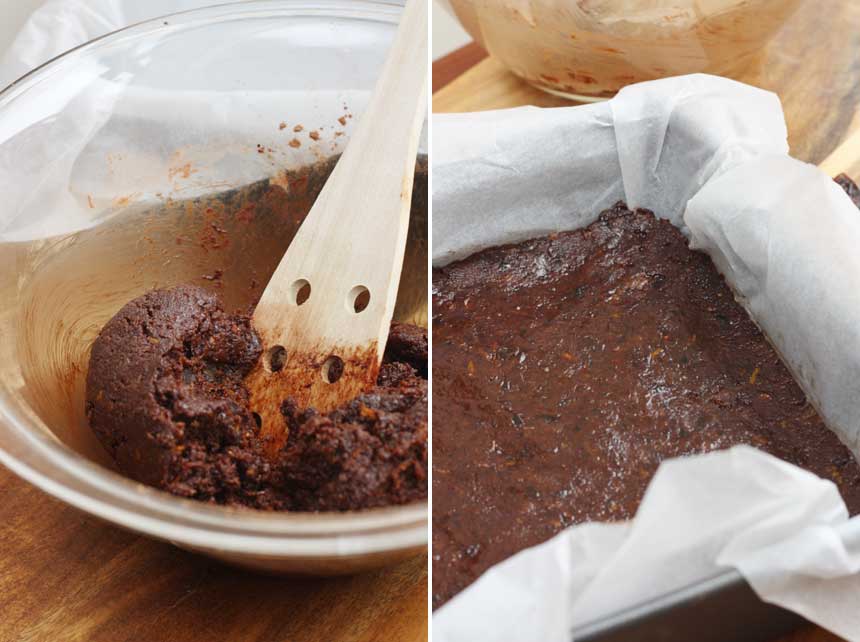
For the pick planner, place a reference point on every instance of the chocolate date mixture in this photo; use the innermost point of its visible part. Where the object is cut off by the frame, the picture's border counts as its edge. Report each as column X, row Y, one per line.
column 165, row 397
column 566, row 368
column 850, row 188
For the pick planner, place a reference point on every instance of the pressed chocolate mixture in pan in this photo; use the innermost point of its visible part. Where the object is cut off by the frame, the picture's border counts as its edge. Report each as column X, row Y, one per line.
column 567, row 368
column 850, row 188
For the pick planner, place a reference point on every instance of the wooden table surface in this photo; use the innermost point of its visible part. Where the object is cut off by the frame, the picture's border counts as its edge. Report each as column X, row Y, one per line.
column 68, row 577
column 813, row 64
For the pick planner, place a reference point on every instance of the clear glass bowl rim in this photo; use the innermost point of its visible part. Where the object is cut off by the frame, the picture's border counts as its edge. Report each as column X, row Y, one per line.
column 29, row 449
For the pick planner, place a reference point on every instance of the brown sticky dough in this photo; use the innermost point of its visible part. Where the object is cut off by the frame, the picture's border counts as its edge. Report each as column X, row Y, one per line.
column 165, row 396
column 850, row 188
column 566, row 368
column 361, row 365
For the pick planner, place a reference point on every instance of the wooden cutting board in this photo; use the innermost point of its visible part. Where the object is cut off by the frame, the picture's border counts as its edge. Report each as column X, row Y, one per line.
column 69, row 577
column 813, row 64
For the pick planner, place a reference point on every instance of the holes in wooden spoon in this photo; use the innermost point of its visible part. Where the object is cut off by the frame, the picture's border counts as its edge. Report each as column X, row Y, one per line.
column 300, row 291
column 332, row 369
column 257, row 419
column 276, row 358
column 358, row 299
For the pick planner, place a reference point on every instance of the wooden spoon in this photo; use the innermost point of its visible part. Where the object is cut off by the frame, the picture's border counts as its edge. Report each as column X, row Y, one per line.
column 325, row 313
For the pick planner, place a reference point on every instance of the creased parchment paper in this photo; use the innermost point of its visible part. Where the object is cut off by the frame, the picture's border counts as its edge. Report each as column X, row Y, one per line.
column 161, row 122
column 710, row 155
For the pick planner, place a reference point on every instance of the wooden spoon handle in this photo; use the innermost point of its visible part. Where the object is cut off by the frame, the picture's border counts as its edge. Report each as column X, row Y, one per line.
column 349, row 247
column 355, row 235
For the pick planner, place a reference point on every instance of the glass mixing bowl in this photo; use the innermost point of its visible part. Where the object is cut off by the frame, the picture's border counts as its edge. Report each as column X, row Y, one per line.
column 589, row 49
column 181, row 149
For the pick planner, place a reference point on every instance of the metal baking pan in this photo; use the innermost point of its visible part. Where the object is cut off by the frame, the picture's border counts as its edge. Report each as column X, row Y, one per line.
column 721, row 608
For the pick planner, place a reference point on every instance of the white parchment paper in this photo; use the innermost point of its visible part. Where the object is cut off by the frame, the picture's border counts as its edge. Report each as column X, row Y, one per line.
column 710, row 155
column 119, row 127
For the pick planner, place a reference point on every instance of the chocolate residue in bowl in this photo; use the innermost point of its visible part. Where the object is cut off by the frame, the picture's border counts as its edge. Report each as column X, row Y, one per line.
column 165, row 397
column 244, row 232
column 566, row 368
